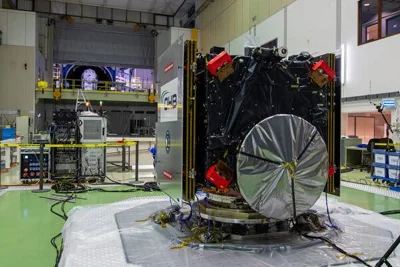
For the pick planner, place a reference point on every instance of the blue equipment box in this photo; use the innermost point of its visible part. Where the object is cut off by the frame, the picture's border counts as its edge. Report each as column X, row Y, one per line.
column 7, row 133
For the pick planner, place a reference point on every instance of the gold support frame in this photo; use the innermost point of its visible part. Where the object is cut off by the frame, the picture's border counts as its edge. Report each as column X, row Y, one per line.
column 331, row 123
column 190, row 120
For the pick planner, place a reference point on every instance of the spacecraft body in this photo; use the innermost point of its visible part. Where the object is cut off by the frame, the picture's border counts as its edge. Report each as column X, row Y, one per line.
column 255, row 134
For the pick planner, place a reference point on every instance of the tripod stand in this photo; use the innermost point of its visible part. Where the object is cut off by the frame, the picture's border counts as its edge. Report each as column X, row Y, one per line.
column 384, row 259
column 380, row 108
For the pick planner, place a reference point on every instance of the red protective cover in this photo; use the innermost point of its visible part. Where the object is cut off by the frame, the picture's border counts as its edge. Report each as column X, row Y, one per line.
column 215, row 178
column 322, row 65
column 217, row 62
column 331, row 171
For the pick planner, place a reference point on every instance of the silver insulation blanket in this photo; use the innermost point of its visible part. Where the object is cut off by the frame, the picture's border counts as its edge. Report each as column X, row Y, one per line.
column 266, row 156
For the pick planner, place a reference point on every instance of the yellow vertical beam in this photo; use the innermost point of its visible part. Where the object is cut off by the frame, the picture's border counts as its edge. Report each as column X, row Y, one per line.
column 195, row 33
column 186, row 92
column 331, row 124
column 190, row 92
column 194, row 45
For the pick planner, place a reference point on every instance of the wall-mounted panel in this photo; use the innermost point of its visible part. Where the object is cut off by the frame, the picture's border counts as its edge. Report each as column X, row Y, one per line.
column 253, row 12
column 205, row 37
column 161, row 20
column 246, row 15
column 133, row 16
column 231, row 22
column 216, row 9
column 303, row 32
column 287, row 2
column 103, row 45
column 271, row 28
column 17, row 83
column 210, row 37
column 187, row 34
column 24, row 5
column 263, row 9
column 207, row 15
column 222, row 26
column 58, row 7
column 174, row 32
column 236, row 46
column 3, row 26
column 31, row 29
column 16, row 27
column 42, row 6
column 238, row 17
column 218, row 32
column 119, row 14
column 213, row 26
column 89, row 11
column 74, row 9
column 104, row 13
column 275, row 6
column 225, row 4
column 147, row 18
column 201, row 21
column 163, row 41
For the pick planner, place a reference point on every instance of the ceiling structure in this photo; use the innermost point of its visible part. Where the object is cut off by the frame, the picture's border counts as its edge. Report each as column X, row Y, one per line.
column 164, row 7
column 147, row 12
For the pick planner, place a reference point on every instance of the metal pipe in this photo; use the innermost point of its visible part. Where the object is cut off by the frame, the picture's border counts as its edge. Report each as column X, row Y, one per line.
column 41, row 166
column 1, row 187
column 137, row 162
column 41, row 159
column 129, row 157
column 123, row 158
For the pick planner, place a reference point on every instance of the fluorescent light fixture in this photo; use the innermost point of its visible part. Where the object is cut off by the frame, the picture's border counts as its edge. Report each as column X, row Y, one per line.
column 343, row 64
column 389, row 103
column 366, row 4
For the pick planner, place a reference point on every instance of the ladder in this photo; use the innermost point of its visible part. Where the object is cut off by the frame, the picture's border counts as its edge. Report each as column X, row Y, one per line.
column 82, row 99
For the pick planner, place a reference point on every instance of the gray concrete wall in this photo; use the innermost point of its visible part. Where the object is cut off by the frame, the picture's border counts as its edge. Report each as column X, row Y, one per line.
column 17, row 83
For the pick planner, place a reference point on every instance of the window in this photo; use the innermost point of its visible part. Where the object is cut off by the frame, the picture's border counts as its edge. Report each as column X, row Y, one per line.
column 390, row 17
column 393, row 25
column 372, row 32
column 378, row 19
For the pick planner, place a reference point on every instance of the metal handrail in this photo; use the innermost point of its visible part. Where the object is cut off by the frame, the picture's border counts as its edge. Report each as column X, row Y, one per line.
column 76, row 84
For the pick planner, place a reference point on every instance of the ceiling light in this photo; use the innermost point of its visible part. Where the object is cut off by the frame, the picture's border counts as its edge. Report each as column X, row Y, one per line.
column 366, row 4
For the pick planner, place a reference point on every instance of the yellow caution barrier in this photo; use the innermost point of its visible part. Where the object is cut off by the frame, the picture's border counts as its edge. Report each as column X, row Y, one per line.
column 115, row 144
column 385, row 144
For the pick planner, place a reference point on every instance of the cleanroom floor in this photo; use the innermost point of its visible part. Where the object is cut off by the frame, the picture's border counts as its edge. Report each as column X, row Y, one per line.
column 27, row 225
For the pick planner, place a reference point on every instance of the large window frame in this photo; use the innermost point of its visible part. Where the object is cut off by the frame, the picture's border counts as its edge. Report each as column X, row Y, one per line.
column 363, row 27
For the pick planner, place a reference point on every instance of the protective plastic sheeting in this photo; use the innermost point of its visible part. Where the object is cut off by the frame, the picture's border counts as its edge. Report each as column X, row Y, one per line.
column 92, row 237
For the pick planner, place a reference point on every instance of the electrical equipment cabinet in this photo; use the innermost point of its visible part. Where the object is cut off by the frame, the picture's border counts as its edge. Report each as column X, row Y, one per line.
column 93, row 130
column 30, row 163
column 65, row 130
